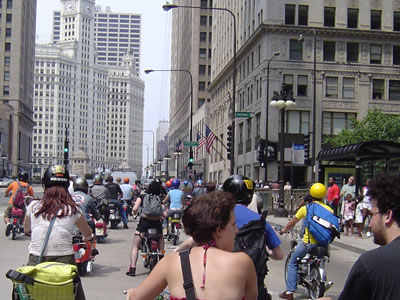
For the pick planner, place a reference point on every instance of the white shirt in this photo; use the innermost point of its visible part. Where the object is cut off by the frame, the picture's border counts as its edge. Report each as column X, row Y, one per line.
column 60, row 241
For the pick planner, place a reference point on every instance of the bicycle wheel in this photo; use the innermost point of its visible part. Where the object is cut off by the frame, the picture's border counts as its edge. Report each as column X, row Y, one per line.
column 317, row 288
column 286, row 266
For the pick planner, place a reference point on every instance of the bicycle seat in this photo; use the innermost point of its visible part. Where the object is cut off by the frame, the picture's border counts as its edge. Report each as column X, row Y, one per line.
column 320, row 251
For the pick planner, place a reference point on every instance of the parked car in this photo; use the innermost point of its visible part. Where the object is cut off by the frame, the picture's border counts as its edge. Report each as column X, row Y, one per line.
column 4, row 182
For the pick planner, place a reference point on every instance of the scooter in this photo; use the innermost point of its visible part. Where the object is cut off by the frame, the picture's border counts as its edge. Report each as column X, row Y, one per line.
column 150, row 251
column 85, row 253
column 17, row 218
column 174, row 227
column 115, row 217
column 101, row 229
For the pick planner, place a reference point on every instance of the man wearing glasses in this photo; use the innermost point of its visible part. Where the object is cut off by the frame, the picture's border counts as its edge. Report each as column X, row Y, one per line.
column 375, row 275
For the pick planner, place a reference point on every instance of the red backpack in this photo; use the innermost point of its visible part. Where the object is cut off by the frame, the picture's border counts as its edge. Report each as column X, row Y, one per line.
column 20, row 194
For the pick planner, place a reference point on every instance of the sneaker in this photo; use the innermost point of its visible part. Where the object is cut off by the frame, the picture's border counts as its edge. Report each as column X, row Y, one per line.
column 8, row 229
column 131, row 272
column 286, row 295
column 126, row 226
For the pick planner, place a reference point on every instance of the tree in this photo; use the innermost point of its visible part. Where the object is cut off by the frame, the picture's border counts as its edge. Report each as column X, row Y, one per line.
column 375, row 126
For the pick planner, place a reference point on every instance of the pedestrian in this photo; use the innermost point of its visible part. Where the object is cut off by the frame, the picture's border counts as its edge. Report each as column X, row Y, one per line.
column 349, row 188
column 367, row 205
column 287, row 187
column 216, row 272
column 375, row 275
column 349, row 214
column 358, row 216
column 333, row 195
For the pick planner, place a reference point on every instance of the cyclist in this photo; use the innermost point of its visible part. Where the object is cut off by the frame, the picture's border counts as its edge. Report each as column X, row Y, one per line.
column 127, row 195
column 23, row 178
column 176, row 199
column 102, row 196
column 317, row 193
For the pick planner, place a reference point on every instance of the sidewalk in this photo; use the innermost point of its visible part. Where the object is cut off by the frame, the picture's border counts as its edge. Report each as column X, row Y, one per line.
column 349, row 243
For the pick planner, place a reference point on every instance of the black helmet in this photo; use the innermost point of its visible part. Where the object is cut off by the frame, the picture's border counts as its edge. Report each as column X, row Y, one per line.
column 241, row 188
column 97, row 179
column 23, row 176
column 80, row 184
column 55, row 175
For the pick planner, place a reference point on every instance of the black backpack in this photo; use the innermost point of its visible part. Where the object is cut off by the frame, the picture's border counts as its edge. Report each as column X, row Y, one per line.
column 251, row 240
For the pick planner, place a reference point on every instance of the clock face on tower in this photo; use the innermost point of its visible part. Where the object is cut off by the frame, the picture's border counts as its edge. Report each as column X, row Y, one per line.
column 69, row 7
column 89, row 8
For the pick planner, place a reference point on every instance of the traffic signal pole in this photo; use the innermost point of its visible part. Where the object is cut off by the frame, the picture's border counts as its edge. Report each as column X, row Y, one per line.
column 66, row 149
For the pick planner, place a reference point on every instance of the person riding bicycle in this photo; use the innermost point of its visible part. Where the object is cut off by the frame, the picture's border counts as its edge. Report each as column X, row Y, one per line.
column 317, row 193
column 176, row 199
column 199, row 189
column 56, row 204
column 23, row 178
column 85, row 202
column 101, row 195
column 145, row 223
column 186, row 189
column 127, row 195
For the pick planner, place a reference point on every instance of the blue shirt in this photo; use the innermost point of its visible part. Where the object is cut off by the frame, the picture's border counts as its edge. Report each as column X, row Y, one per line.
column 244, row 215
column 127, row 191
column 175, row 196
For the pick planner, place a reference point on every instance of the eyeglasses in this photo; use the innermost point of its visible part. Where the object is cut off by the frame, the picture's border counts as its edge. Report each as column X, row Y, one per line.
column 375, row 213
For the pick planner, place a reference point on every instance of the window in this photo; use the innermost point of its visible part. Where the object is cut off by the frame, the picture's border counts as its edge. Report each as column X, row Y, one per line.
column 329, row 50
column 290, row 14
column 376, row 16
column 9, row 18
column 396, row 21
column 378, row 88
column 288, row 80
column 7, row 60
column 302, row 84
column 376, row 54
column 333, row 123
column 203, row 3
column 331, row 87
column 329, row 17
column 203, row 20
column 6, row 90
column 8, row 32
column 202, row 86
column 296, row 50
column 9, row 3
column 396, row 55
column 352, row 18
column 201, row 102
column 348, row 87
column 202, row 70
column 6, row 75
column 303, row 15
column 394, row 89
column 7, row 46
column 298, row 121
column 352, row 52
column 203, row 36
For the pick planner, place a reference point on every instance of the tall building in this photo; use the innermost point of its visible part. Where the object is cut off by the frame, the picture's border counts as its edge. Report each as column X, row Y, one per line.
column 191, row 51
column 17, row 52
column 115, row 35
column 97, row 106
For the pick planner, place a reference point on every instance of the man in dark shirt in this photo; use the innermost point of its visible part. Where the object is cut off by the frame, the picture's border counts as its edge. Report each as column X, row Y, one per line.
column 375, row 275
column 114, row 188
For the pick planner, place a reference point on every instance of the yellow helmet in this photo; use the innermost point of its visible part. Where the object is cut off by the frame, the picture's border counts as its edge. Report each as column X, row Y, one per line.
column 318, row 190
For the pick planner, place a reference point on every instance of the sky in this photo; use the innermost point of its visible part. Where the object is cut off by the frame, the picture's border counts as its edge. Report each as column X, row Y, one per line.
column 155, row 52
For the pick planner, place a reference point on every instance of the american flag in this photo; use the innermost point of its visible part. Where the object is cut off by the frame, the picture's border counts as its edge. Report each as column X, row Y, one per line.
column 179, row 146
column 202, row 142
column 210, row 138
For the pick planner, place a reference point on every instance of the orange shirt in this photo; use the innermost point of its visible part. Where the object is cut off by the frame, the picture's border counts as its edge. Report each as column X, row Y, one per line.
column 14, row 187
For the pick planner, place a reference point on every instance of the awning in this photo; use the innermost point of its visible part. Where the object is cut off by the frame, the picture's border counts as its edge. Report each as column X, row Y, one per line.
column 372, row 150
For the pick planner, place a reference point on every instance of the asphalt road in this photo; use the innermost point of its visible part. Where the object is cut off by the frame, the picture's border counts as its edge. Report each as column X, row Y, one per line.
column 108, row 278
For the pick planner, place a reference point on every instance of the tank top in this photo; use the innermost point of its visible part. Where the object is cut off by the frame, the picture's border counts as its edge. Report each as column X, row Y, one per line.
column 175, row 196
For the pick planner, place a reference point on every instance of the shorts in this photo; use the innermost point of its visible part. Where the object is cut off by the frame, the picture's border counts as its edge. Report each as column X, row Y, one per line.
column 7, row 211
column 145, row 224
column 348, row 217
column 367, row 205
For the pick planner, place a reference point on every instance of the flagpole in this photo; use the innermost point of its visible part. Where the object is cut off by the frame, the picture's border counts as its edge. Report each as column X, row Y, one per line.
column 214, row 148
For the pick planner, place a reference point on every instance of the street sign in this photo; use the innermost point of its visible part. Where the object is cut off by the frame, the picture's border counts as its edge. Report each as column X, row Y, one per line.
column 243, row 114
column 190, row 143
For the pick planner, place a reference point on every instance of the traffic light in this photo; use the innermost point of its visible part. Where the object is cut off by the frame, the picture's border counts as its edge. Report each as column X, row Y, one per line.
column 190, row 164
column 306, row 140
column 261, row 153
column 229, row 142
column 66, row 152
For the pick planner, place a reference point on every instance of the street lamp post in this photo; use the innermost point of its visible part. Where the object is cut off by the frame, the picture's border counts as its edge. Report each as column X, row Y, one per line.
column 177, row 153
column 166, row 158
column 282, row 101
column 314, row 103
column 267, row 111
column 191, row 106
column 167, row 7
column 147, row 130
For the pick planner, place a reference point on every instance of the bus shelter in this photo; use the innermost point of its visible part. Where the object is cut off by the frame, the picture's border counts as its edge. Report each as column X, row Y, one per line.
column 355, row 154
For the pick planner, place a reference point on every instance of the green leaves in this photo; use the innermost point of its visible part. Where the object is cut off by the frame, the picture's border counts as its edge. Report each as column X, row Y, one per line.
column 375, row 126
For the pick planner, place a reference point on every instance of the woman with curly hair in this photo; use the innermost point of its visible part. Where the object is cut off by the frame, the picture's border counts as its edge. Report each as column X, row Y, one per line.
column 56, row 203
column 217, row 272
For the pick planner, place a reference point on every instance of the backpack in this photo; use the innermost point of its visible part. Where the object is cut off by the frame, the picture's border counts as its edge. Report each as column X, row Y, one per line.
column 152, row 206
column 20, row 194
column 322, row 224
column 251, row 240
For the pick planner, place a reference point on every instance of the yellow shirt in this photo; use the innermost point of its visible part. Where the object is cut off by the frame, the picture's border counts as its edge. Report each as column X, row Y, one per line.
column 301, row 214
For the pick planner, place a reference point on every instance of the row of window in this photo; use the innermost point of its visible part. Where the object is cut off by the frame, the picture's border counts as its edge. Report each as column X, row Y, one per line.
column 9, row 4
column 301, row 18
